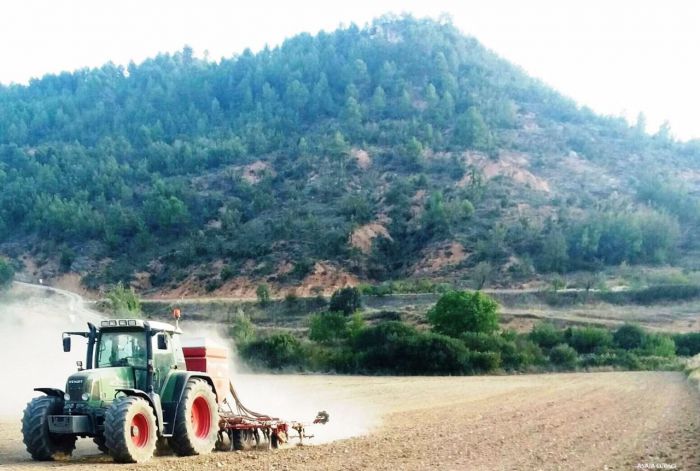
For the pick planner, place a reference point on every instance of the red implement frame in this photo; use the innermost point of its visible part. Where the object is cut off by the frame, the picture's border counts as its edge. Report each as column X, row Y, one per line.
column 275, row 430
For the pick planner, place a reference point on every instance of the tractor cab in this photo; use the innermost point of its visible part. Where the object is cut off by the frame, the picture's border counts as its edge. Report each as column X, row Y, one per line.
column 138, row 353
column 157, row 349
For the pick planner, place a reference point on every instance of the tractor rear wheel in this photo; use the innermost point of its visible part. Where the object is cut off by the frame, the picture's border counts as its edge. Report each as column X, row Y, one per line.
column 42, row 444
column 100, row 441
column 130, row 430
column 196, row 421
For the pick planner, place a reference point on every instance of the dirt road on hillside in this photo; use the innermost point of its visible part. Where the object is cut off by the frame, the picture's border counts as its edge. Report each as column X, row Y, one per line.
column 575, row 421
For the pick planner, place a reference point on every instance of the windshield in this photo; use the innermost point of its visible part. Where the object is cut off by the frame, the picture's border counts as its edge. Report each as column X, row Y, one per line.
column 122, row 349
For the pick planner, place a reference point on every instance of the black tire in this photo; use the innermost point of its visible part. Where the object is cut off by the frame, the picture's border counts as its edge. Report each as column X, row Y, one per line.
column 196, row 421
column 130, row 430
column 162, row 447
column 42, row 444
column 237, row 439
column 101, row 443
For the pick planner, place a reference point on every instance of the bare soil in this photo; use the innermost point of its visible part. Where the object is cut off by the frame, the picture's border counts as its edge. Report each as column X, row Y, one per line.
column 579, row 421
column 363, row 237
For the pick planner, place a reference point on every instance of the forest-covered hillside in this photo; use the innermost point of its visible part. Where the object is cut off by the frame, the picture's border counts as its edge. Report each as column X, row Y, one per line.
column 401, row 149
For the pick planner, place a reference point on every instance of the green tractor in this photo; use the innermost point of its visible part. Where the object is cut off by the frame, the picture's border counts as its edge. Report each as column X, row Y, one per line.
column 133, row 395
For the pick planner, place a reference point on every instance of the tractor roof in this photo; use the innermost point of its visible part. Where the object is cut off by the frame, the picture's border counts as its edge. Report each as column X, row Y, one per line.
column 138, row 323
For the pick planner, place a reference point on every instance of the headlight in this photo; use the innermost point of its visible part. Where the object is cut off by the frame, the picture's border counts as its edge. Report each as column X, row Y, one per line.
column 85, row 396
column 66, row 397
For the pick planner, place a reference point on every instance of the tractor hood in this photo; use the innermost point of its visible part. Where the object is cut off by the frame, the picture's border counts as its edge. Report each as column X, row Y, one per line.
column 98, row 384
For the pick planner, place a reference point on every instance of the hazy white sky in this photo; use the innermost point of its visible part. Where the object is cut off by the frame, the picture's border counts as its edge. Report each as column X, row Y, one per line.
column 619, row 57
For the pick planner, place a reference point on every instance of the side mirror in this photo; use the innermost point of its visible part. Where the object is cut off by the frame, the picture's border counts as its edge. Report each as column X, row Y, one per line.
column 66, row 343
column 162, row 342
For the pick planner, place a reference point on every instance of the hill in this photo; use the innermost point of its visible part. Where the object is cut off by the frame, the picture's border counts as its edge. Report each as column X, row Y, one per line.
column 399, row 150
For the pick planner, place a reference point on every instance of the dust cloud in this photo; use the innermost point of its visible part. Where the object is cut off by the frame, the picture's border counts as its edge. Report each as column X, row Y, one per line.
column 32, row 319
column 293, row 397
column 301, row 397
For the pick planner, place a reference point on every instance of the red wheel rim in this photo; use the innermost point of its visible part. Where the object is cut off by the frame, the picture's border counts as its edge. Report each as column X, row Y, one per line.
column 139, row 430
column 201, row 417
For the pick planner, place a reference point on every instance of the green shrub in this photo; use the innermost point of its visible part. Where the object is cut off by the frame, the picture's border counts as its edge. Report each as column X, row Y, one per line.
column 563, row 356
column 213, row 284
column 514, row 352
column 301, row 269
column 399, row 348
column 546, row 335
column 429, row 353
column 355, row 325
column 687, row 344
column 629, row 336
column 346, row 300
column 482, row 342
column 375, row 290
column 598, row 359
column 125, row 302
column 68, row 256
column 422, row 285
column 527, row 354
column 629, row 360
column 654, row 363
column 263, row 294
column 277, row 351
column 383, row 333
column 340, row 360
column 483, row 362
column 510, row 334
column 242, row 330
column 379, row 347
column 328, row 327
column 658, row 345
column 588, row 339
column 457, row 312
column 227, row 272
column 326, row 358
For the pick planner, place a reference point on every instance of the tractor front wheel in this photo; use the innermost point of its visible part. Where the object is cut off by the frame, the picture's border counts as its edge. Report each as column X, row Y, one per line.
column 42, row 444
column 196, row 421
column 130, row 430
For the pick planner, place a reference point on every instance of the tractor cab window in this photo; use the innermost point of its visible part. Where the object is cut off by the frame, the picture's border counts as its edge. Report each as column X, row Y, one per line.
column 122, row 349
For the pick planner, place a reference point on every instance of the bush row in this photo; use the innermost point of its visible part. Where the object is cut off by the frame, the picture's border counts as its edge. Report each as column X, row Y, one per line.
column 464, row 339
column 421, row 286
column 393, row 347
column 644, row 296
